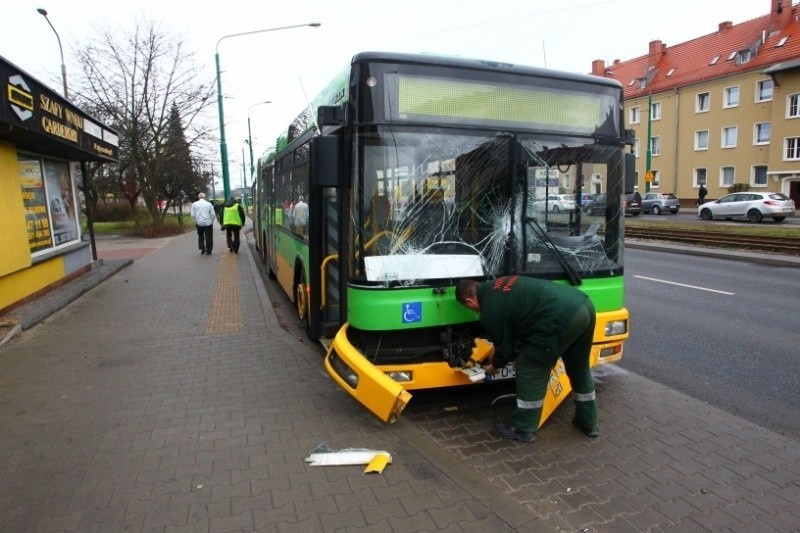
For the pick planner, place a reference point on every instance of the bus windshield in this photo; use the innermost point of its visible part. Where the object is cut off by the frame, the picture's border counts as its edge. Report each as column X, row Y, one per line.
column 439, row 204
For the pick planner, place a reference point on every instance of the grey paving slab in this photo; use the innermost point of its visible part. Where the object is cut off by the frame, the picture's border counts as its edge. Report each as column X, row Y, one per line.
column 118, row 412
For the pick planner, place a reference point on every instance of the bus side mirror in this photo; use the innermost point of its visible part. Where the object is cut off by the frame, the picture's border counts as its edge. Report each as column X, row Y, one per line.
column 630, row 172
column 330, row 115
column 325, row 164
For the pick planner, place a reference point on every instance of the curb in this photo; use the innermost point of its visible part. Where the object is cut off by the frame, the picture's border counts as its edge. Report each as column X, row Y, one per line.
column 36, row 311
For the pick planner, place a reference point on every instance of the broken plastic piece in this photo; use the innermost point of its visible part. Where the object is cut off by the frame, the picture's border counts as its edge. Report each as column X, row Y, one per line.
column 474, row 373
column 482, row 350
column 324, row 456
column 378, row 463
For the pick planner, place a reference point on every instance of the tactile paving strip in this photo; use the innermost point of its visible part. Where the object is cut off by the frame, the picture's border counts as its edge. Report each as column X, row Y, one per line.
column 225, row 316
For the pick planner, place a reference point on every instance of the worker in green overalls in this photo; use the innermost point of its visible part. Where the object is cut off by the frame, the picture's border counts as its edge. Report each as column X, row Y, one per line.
column 549, row 321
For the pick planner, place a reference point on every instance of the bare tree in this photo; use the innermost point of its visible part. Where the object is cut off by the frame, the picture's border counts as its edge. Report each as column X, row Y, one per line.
column 139, row 82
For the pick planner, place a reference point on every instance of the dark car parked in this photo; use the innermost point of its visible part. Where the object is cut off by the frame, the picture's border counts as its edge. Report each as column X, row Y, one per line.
column 587, row 199
column 633, row 204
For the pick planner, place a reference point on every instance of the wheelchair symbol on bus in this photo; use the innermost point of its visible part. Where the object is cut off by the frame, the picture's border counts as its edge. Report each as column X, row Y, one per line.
column 412, row 312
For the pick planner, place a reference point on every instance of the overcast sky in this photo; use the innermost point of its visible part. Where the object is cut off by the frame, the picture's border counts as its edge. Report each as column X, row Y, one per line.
column 281, row 66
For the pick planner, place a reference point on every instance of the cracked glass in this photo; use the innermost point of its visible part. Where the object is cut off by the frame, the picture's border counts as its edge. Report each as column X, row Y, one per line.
column 434, row 205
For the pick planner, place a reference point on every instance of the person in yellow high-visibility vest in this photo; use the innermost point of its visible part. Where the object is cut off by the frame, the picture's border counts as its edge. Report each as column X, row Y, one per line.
column 233, row 219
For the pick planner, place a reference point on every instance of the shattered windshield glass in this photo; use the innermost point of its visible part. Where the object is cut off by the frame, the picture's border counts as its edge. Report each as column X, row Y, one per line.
column 439, row 206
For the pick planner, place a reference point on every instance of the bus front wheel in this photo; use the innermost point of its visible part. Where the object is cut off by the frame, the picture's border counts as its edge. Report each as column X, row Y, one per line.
column 301, row 301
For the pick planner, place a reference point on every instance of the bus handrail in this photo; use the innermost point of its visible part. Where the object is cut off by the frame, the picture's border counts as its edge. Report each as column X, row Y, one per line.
column 332, row 257
column 400, row 240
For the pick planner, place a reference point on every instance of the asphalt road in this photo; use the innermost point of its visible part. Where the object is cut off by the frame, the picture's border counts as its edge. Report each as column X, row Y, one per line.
column 724, row 332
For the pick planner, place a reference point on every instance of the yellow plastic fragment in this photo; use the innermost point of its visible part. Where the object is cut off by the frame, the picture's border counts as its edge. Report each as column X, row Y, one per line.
column 378, row 463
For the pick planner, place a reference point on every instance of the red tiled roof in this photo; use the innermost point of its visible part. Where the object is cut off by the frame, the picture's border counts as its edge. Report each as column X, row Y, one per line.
column 691, row 59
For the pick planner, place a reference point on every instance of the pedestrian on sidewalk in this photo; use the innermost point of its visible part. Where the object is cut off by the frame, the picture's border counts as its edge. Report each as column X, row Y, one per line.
column 202, row 212
column 233, row 219
column 701, row 194
column 549, row 321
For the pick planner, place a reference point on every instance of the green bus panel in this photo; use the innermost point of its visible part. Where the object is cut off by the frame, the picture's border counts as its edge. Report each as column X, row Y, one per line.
column 382, row 309
column 388, row 309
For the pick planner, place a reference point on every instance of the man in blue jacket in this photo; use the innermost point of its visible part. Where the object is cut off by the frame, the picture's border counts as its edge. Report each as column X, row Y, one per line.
column 548, row 321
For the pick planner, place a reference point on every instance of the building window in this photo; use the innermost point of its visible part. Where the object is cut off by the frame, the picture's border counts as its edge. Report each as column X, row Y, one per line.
column 761, row 133
column 764, row 90
column 656, row 178
column 731, row 98
column 729, row 137
column 703, row 103
column 700, row 176
column 727, row 176
column 759, row 176
column 655, row 145
column 713, row 60
column 636, row 148
column 792, row 152
column 793, row 106
column 655, row 111
column 744, row 56
column 701, row 140
column 635, row 115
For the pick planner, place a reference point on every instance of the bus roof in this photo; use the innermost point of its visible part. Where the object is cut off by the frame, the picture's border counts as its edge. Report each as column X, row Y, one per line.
column 336, row 91
column 480, row 64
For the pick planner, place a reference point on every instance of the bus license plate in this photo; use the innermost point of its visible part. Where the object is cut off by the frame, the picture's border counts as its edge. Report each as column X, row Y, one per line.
column 507, row 372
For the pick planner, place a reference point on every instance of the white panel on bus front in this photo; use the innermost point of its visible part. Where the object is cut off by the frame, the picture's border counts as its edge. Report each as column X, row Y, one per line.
column 387, row 268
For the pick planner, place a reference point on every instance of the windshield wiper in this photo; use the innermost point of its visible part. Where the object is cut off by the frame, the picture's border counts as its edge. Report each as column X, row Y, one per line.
column 572, row 274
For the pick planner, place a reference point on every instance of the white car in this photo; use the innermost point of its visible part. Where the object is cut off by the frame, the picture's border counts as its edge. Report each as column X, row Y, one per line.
column 753, row 206
column 557, row 203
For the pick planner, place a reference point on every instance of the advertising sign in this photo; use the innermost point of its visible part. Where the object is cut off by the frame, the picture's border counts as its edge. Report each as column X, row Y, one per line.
column 35, row 201
column 31, row 107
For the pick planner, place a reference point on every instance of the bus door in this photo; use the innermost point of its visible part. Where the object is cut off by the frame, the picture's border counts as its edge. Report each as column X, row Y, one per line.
column 272, row 214
column 325, row 244
column 330, row 267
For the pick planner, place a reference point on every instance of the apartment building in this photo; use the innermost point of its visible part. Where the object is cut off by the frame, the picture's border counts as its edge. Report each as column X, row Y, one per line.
column 721, row 109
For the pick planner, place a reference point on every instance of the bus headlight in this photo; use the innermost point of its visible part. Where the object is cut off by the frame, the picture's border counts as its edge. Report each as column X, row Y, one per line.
column 401, row 376
column 343, row 371
column 616, row 327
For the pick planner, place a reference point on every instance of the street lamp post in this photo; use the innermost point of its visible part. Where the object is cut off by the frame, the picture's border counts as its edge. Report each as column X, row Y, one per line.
column 250, row 138
column 244, row 179
column 648, row 177
column 43, row 12
column 223, row 148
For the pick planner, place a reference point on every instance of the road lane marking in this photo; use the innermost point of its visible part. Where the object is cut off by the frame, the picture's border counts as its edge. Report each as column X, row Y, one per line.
column 685, row 285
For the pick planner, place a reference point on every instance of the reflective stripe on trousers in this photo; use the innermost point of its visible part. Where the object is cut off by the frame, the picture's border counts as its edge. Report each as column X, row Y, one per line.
column 588, row 397
column 522, row 404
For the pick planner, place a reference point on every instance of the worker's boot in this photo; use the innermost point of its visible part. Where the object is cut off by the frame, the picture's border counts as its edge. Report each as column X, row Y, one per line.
column 586, row 418
column 508, row 431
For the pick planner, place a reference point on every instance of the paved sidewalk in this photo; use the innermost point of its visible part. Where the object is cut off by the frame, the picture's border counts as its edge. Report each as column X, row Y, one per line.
column 168, row 398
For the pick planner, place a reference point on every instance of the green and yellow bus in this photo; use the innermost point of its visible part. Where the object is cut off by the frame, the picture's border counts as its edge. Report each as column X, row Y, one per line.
column 418, row 171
